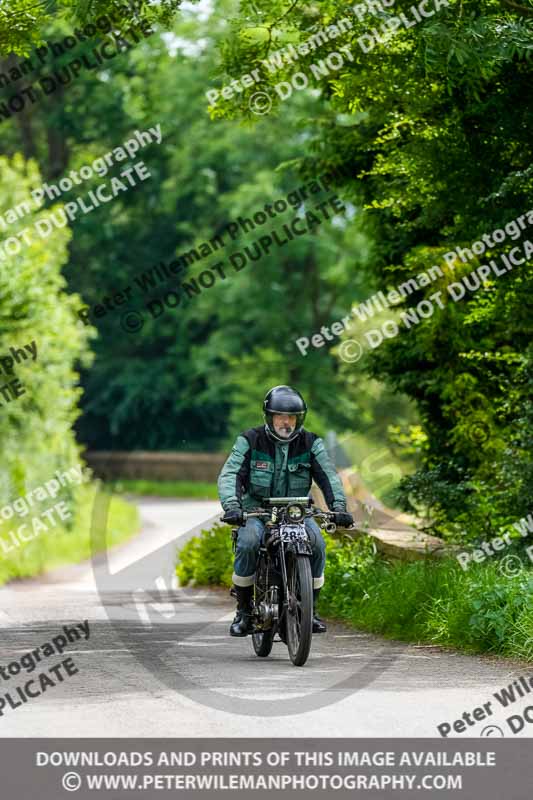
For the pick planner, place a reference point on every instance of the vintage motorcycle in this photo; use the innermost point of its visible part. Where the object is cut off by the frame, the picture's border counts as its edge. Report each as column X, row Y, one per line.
column 283, row 588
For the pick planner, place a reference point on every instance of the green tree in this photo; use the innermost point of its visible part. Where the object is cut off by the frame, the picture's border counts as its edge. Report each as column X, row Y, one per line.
column 25, row 23
column 36, row 435
column 174, row 383
column 434, row 124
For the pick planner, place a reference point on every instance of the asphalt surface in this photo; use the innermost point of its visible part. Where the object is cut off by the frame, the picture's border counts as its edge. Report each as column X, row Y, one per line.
column 159, row 660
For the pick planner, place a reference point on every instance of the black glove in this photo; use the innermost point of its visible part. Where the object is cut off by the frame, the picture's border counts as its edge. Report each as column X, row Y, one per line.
column 233, row 516
column 343, row 519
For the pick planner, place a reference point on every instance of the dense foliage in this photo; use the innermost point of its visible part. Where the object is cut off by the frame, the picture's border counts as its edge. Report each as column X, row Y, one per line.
column 435, row 126
column 430, row 134
column 23, row 23
column 36, row 436
column 196, row 374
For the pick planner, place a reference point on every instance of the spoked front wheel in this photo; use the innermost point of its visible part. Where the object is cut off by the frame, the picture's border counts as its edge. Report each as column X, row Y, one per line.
column 299, row 614
column 262, row 640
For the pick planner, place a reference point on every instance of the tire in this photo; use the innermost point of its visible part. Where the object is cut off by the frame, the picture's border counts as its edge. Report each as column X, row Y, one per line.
column 263, row 642
column 300, row 621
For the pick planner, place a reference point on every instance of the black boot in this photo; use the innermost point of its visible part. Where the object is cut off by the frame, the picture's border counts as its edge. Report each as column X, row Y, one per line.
column 242, row 623
column 318, row 625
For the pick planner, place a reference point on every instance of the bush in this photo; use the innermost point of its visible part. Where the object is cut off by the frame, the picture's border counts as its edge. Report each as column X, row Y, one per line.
column 36, row 436
column 207, row 559
column 432, row 601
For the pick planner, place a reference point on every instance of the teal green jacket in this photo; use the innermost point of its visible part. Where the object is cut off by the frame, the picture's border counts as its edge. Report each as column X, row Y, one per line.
column 259, row 467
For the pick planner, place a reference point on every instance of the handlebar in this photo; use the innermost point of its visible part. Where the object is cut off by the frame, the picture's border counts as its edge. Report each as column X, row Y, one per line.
column 327, row 516
column 308, row 512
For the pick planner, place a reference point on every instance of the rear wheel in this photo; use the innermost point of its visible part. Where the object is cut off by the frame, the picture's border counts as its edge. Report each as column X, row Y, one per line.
column 299, row 614
column 263, row 642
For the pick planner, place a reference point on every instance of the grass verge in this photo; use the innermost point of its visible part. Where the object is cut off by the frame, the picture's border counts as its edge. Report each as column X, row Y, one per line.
column 430, row 602
column 67, row 543
column 196, row 490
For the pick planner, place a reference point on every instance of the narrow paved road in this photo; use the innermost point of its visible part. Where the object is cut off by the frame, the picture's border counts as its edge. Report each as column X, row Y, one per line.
column 159, row 661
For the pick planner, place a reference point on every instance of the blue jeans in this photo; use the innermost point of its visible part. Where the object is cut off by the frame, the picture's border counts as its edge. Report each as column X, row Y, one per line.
column 249, row 539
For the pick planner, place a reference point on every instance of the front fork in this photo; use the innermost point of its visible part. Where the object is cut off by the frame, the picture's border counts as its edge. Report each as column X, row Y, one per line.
column 283, row 567
column 234, row 533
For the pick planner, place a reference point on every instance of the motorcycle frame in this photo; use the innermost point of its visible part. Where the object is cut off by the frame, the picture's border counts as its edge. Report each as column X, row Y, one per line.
column 273, row 550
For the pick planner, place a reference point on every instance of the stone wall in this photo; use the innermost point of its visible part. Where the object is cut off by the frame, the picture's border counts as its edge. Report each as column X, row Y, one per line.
column 156, row 466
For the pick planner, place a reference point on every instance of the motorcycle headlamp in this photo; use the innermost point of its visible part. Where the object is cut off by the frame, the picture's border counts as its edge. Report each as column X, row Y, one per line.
column 295, row 513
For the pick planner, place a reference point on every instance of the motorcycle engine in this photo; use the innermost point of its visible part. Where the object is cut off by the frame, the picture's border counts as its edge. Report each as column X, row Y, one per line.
column 268, row 608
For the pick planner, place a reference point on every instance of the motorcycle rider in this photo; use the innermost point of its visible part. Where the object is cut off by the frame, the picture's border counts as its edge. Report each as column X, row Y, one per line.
column 277, row 459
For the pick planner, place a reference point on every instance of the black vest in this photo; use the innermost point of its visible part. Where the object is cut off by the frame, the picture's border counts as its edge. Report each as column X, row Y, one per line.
column 262, row 455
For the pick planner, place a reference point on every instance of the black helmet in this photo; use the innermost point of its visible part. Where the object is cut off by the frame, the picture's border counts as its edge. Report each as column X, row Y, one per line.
column 284, row 400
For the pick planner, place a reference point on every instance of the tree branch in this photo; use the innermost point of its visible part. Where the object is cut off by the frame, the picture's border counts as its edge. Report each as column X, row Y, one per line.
column 519, row 9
